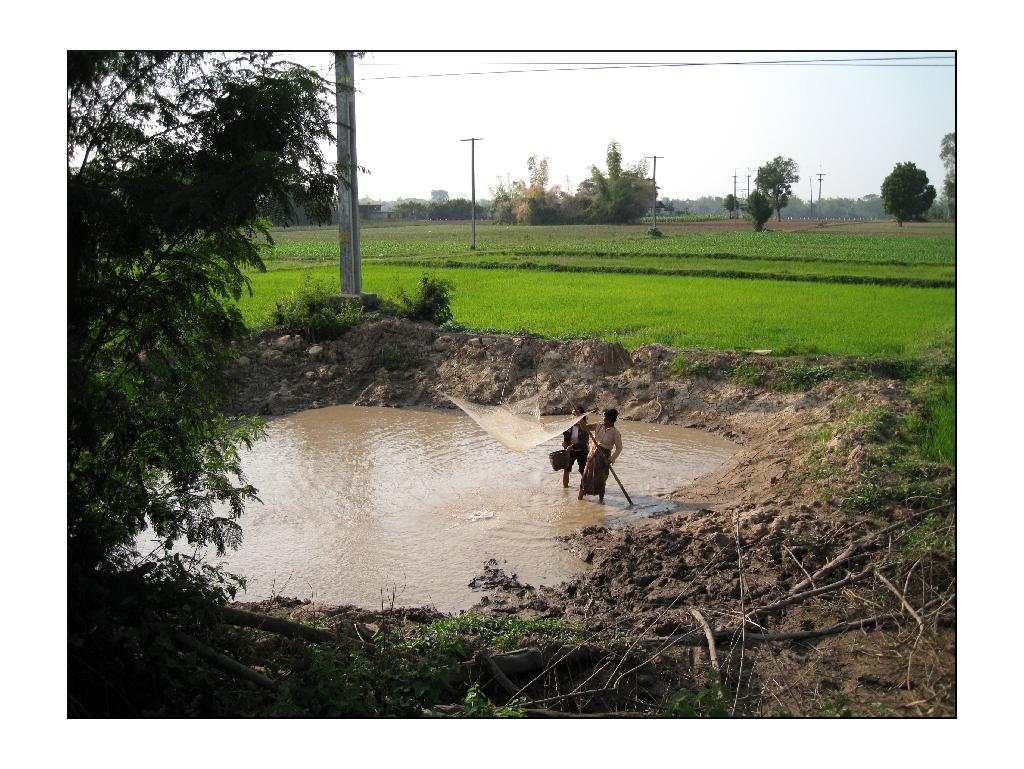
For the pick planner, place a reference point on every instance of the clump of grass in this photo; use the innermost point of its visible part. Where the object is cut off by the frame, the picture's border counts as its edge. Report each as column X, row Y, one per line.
column 680, row 366
column 933, row 429
column 398, row 358
column 803, row 377
column 747, row 373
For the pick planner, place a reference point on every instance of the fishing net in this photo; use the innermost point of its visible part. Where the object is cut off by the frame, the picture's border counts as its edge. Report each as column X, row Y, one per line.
column 519, row 425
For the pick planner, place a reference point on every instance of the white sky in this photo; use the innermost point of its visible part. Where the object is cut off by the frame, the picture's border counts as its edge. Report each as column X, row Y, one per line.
column 854, row 123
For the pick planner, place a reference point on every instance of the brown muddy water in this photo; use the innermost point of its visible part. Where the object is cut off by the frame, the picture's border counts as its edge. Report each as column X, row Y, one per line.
column 363, row 504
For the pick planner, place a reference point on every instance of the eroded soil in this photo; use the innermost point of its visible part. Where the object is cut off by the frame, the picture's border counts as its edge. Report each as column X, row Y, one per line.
column 761, row 531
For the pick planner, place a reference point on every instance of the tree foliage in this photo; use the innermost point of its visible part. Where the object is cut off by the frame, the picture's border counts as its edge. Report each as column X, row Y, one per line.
column 621, row 195
column 730, row 204
column 170, row 158
column 906, row 193
column 947, row 152
column 776, row 179
column 759, row 209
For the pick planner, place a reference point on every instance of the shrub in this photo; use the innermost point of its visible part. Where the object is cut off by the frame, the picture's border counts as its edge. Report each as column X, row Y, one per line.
column 432, row 301
column 803, row 377
column 759, row 209
column 654, row 232
column 747, row 373
column 316, row 312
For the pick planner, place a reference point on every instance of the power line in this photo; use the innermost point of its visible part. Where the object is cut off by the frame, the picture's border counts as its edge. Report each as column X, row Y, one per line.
column 852, row 62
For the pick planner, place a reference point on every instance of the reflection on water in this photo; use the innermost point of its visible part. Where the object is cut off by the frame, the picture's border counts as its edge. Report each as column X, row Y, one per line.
column 360, row 502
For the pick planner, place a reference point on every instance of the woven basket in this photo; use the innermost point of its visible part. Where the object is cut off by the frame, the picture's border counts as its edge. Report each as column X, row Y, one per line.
column 559, row 460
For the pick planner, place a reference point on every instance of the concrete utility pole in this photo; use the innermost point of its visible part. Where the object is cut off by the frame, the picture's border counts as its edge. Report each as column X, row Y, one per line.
column 735, row 199
column 348, row 191
column 654, row 179
column 810, row 184
column 748, row 184
column 819, row 194
column 472, row 171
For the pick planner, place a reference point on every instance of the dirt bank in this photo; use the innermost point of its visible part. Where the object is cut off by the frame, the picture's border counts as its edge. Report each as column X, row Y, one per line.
column 756, row 539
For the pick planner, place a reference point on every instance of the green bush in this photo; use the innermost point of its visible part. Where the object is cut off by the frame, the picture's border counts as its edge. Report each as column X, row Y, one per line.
column 316, row 312
column 432, row 301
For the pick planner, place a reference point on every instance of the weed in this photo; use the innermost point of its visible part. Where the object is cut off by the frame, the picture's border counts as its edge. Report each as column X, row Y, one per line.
column 711, row 701
column 432, row 301
column 802, row 377
column 680, row 366
column 747, row 373
column 398, row 358
column 478, row 705
column 316, row 312
column 503, row 633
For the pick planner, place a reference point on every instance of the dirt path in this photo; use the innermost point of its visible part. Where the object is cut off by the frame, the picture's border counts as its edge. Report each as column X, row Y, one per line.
column 747, row 536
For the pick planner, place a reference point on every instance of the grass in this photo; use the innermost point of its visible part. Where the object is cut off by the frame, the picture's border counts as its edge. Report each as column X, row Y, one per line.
column 719, row 313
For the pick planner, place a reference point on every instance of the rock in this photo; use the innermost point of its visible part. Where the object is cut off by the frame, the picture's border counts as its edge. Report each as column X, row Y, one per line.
column 242, row 361
column 310, row 375
column 315, row 351
column 723, row 540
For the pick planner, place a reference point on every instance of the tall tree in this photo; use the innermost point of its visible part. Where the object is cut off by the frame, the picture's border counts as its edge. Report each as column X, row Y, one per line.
column 906, row 192
column 947, row 152
column 776, row 179
column 170, row 158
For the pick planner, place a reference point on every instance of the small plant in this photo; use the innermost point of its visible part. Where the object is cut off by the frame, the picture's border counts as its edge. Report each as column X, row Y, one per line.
column 711, row 701
column 478, row 705
column 654, row 232
column 316, row 312
column 680, row 366
column 503, row 633
column 747, row 374
column 432, row 301
column 450, row 327
column 803, row 377
column 398, row 358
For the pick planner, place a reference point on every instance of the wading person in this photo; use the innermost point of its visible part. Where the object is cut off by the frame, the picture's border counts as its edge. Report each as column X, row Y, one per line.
column 606, row 438
column 576, row 442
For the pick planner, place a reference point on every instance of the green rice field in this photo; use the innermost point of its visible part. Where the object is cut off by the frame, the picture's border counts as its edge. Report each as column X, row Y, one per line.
column 883, row 294
column 694, row 312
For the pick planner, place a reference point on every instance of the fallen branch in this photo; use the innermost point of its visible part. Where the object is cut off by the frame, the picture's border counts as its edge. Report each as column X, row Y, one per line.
column 287, row 628
column 730, row 635
column 222, row 661
column 903, row 599
column 710, row 636
column 492, row 667
column 800, row 597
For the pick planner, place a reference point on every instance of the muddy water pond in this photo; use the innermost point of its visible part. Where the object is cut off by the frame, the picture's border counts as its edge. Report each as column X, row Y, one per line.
column 362, row 503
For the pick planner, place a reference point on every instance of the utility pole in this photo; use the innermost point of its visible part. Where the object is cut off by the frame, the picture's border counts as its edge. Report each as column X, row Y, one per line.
column 819, row 194
column 748, row 183
column 348, row 191
column 654, row 179
column 735, row 199
column 810, row 184
column 472, row 171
